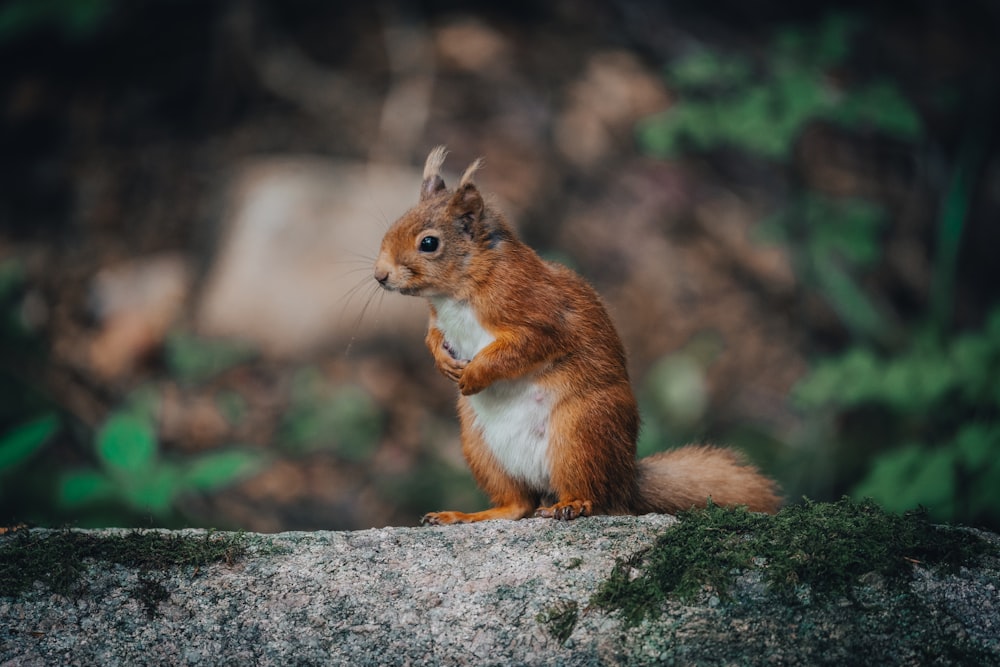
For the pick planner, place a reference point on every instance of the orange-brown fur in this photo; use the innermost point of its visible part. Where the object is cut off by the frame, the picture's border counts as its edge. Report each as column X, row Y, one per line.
column 550, row 337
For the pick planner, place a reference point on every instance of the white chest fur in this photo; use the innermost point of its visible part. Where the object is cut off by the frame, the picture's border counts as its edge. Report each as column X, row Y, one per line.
column 512, row 414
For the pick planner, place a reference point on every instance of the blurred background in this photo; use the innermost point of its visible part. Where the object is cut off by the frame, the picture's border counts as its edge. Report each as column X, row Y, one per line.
column 791, row 210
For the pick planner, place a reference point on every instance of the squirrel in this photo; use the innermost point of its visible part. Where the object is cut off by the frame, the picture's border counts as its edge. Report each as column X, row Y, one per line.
column 546, row 407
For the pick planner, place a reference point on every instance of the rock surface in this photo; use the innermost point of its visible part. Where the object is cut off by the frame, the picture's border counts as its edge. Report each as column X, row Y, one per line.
column 481, row 594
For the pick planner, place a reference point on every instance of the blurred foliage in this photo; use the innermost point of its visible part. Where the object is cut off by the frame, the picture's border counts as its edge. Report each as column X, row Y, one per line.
column 75, row 18
column 53, row 470
column 21, row 442
column 28, row 423
column 193, row 359
column 132, row 478
column 324, row 415
column 940, row 399
column 132, row 473
column 921, row 400
column 726, row 101
column 675, row 395
column 835, row 240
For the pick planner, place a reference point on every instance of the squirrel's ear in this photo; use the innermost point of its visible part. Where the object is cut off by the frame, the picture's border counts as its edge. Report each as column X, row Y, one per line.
column 433, row 183
column 466, row 207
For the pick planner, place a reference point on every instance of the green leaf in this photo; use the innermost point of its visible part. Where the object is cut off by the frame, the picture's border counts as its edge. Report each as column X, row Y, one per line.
column 127, row 445
column 976, row 360
column 846, row 381
column 155, row 491
column 85, row 487
column 661, row 133
column 879, row 106
column 705, row 68
column 18, row 444
column 976, row 445
column 857, row 311
column 194, row 359
column 756, row 122
column 913, row 475
column 848, row 229
column 832, row 46
column 215, row 470
column 323, row 415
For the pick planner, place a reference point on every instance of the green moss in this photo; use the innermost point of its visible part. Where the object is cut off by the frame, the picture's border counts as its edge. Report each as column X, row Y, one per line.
column 560, row 619
column 58, row 560
column 809, row 551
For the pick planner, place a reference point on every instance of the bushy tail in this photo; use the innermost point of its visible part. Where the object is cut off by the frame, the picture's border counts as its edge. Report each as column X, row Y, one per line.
column 683, row 478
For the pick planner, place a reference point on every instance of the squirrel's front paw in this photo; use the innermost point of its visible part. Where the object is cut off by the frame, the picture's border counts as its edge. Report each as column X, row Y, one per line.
column 449, row 365
column 470, row 384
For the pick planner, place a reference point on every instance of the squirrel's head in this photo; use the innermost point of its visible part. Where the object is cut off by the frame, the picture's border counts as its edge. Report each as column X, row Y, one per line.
column 430, row 250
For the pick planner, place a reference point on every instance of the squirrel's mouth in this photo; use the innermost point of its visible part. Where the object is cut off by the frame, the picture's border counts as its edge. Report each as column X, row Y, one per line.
column 408, row 290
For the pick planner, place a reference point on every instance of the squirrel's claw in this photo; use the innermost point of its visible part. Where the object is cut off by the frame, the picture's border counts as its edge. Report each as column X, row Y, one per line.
column 566, row 511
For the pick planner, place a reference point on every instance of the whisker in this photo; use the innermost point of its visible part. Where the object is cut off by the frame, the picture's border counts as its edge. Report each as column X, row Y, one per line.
column 359, row 269
column 356, row 261
column 373, row 291
column 346, row 298
column 381, row 219
column 359, row 256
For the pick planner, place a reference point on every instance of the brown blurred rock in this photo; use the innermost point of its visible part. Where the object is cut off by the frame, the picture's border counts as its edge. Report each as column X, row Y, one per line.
column 470, row 45
column 615, row 91
column 135, row 303
column 194, row 422
column 293, row 271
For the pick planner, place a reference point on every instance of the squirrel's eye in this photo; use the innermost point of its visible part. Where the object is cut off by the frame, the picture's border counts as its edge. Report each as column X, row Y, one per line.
column 429, row 244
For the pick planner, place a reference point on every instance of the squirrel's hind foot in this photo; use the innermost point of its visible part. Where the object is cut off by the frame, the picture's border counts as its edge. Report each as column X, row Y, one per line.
column 566, row 510
column 513, row 511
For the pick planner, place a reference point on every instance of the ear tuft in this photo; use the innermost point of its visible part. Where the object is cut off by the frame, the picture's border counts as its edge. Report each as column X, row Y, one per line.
column 433, row 182
column 471, row 171
column 434, row 161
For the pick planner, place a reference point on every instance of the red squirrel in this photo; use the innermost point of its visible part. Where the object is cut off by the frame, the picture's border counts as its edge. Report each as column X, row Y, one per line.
column 546, row 408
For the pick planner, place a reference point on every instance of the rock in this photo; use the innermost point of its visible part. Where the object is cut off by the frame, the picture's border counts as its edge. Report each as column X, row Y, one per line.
column 135, row 303
column 468, row 44
column 293, row 270
column 603, row 106
column 491, row 593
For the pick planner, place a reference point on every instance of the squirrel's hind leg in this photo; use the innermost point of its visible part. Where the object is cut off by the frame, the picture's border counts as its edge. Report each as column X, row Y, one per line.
column 592, row 456
column 513, row 511
column 511, row 499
